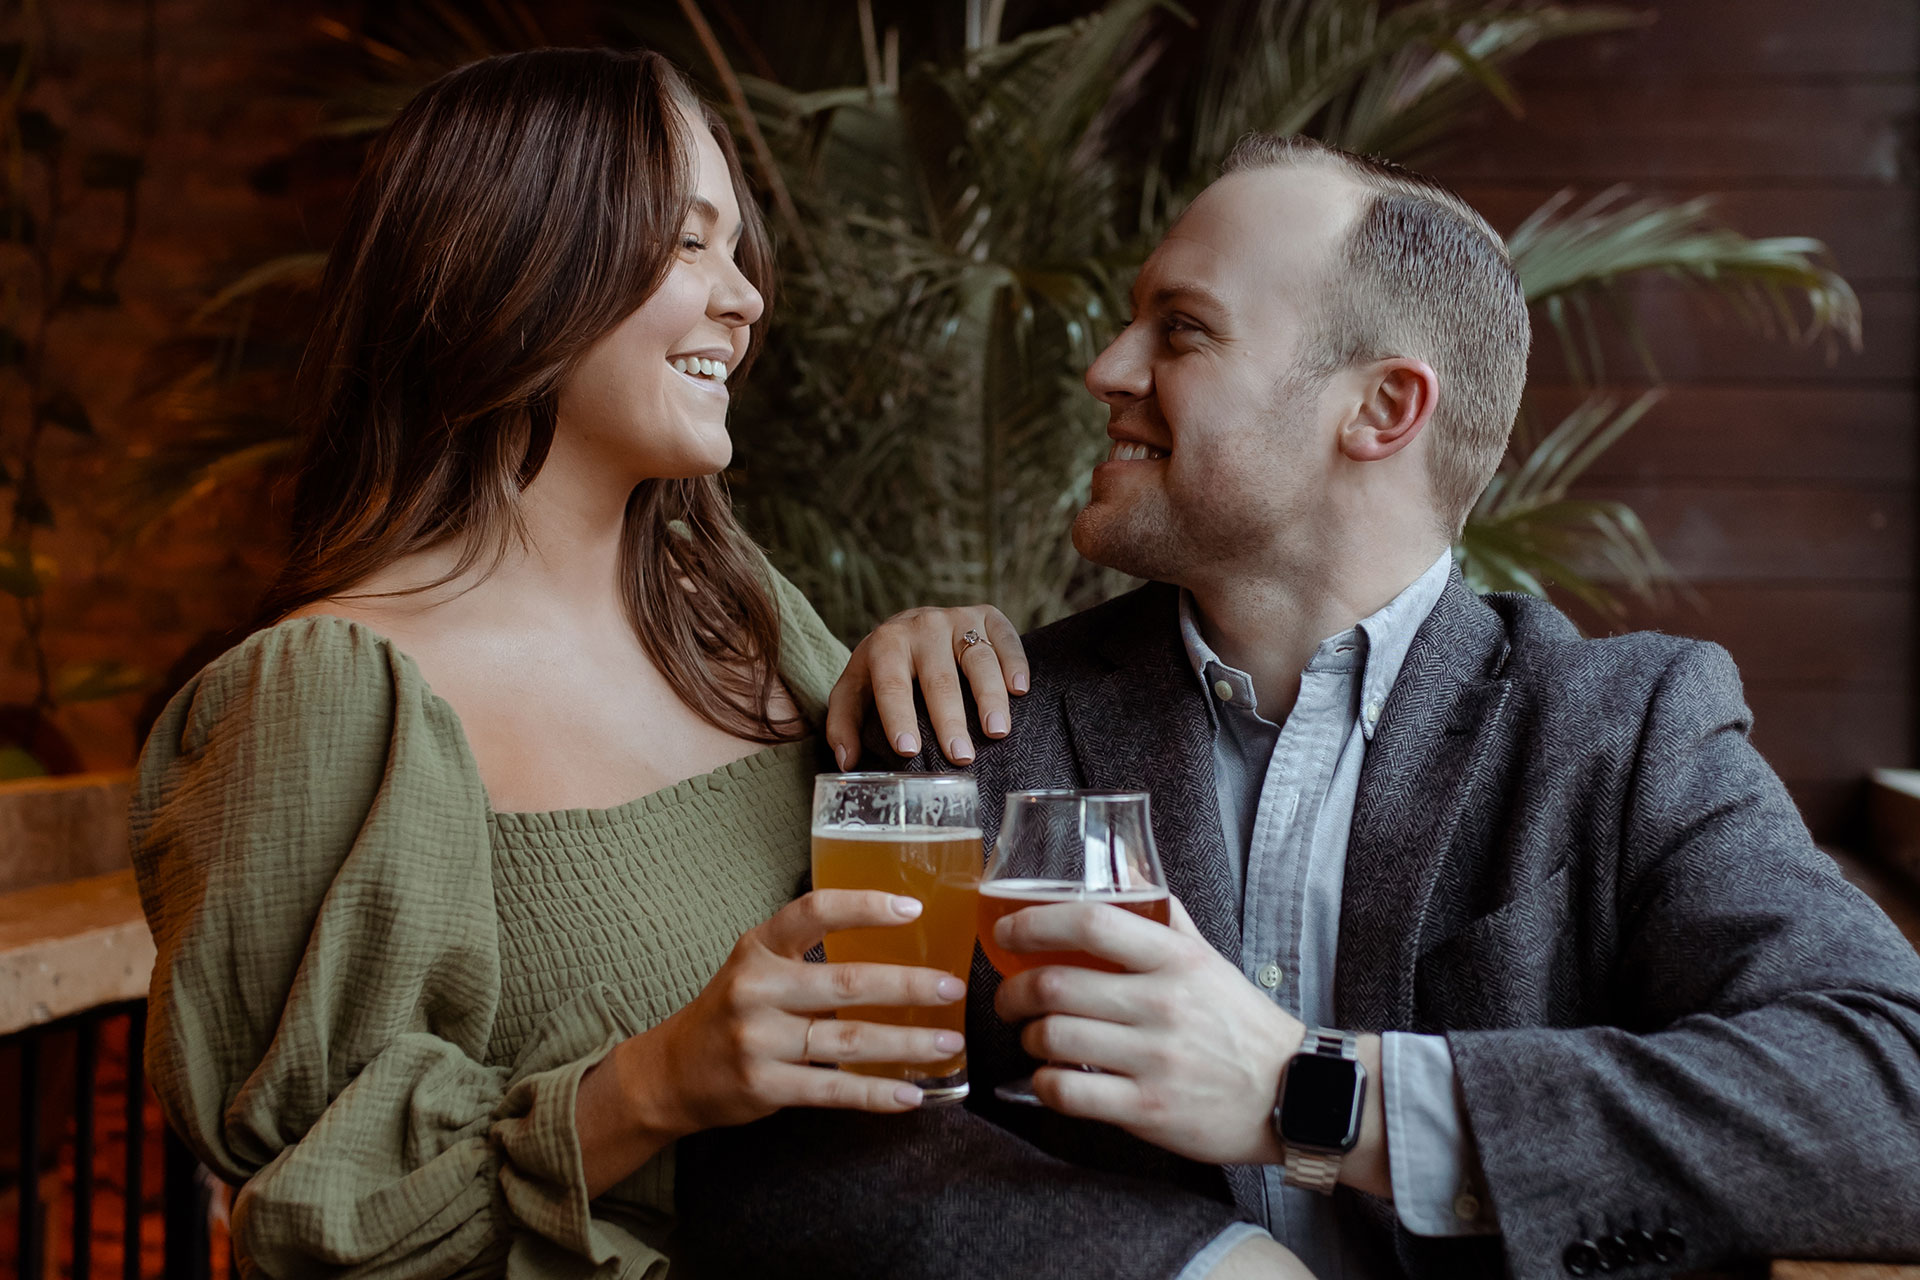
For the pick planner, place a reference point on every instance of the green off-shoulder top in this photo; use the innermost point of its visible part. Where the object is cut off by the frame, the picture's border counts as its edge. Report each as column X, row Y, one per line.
column 375, row 997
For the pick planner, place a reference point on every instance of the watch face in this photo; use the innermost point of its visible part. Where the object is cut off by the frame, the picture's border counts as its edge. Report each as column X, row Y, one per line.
column 1320, row 1106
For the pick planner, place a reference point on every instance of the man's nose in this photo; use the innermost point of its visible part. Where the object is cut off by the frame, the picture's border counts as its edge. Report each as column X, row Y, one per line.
column 1122, row 373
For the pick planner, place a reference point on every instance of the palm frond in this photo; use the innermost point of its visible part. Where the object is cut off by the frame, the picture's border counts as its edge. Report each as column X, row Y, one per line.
column 1527, row 533
column 1567, row 256
column 1407, row 104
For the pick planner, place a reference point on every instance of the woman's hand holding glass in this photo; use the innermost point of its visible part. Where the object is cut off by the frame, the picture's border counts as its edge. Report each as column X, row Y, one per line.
column 744, row 1046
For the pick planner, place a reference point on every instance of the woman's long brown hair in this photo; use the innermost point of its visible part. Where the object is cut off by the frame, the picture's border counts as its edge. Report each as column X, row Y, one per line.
column 513, row 214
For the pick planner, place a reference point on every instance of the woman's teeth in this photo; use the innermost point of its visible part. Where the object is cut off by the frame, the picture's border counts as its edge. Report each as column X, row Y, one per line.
column 1127, row 451
column 696, row 367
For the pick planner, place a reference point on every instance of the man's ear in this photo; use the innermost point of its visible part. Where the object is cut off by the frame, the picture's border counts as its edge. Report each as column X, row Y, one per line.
column 1399, row 398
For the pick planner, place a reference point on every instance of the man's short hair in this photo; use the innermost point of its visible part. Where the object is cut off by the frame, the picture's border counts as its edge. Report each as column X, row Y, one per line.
column 1422, row 274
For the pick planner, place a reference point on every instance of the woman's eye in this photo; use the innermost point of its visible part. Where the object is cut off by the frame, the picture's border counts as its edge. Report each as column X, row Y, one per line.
column 692, row 244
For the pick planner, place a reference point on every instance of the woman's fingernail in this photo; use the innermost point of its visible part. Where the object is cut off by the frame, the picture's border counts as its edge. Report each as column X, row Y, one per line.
column 1019, row 682
column 951, row 988
column 907, row 1094
column 949, row 1042
column 906, row 908
column 907, row 745
column 997, row 724
column 959, row 751
column 840, row 756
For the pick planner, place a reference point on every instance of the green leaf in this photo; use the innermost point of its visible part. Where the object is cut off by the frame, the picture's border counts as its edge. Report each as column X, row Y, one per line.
column 63, row 409
column 17, row 763
column 1567, row 255
column 111, row 170
column 38, row 133
column 97, row 681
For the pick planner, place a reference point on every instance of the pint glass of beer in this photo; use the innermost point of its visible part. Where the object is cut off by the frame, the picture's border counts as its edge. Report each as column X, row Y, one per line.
column 1068, row 846
column 916, row 834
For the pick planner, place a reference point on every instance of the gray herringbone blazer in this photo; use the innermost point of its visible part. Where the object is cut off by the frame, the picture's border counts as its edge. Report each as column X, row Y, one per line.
column 1682, row 1037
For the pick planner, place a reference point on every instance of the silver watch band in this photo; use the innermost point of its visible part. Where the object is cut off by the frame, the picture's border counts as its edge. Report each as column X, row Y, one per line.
column 1315, row 1169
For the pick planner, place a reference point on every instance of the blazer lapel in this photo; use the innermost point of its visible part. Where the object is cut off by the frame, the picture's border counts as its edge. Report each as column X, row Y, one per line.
column 1141, row 724
column 1437, row 736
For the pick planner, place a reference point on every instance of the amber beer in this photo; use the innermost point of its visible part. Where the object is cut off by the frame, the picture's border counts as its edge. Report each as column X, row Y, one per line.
column 941, row 867
column 1004, row 897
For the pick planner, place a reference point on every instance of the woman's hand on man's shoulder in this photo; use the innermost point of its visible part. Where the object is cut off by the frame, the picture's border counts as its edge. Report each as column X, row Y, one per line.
column 933, row 648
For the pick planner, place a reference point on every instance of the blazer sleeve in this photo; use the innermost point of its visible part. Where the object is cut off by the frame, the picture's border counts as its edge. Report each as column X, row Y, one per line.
column 1762, row 1096
column 312, row 849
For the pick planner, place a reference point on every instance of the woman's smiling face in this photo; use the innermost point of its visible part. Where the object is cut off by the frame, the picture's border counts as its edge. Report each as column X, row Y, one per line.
column 649, row 400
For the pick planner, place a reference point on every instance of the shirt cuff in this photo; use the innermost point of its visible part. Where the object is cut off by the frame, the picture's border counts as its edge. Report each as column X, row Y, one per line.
column 1201, row 1265
column 1438, row 1188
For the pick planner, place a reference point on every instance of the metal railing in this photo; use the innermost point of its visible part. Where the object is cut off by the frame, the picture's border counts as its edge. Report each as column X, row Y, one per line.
column 44, row 1136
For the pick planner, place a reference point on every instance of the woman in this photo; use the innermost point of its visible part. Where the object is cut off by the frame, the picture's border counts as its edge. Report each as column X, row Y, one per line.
column 430, row 978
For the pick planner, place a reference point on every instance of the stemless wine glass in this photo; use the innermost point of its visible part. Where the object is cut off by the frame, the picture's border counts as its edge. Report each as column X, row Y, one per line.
column 1068, row 846
column 916, row 834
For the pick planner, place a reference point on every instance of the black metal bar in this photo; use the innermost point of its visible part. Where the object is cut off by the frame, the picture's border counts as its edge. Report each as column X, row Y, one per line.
column 85, row 1076
column 32, row 1245
column 188, row 1196
column 136, row 1137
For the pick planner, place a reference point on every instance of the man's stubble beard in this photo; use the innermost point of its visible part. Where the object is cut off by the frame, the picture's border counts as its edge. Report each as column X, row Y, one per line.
column 1168, row 536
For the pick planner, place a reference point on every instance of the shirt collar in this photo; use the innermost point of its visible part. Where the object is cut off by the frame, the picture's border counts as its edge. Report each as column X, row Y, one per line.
column 1388, row 633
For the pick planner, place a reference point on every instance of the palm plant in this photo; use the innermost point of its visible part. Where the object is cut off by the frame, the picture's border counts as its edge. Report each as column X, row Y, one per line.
column 960, row 237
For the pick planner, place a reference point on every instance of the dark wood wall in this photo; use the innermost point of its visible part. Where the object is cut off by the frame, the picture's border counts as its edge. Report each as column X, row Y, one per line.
column 1779, row 481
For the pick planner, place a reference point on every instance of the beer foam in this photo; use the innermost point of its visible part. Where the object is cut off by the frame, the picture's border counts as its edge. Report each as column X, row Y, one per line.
column 1050, row 891
column 899, row 835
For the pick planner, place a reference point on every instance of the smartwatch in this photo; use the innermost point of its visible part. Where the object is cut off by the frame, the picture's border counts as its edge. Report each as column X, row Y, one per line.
column 1317, row 1116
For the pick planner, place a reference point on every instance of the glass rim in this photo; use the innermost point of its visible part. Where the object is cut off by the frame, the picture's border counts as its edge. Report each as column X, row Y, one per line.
column 1076, row 793
column 880, row 775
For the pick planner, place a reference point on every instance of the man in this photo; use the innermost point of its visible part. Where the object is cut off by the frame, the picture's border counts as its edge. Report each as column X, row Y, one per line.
column 1614, row 1012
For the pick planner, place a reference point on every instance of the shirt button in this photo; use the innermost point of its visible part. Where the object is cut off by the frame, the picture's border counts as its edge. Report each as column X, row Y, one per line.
column 1269, row 976
column 1466, row 1206
column 1223, row 691
column 1373, row 712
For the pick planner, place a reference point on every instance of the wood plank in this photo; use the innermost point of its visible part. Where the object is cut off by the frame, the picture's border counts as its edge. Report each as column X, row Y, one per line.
column 1778, row 534
column 1696, row 337
column 1796, row 634
column 1830, row 732
column 1801, row 434
column 1834, row 810
column 1874, row 232
column 66, row 948
column 1789, row 1270
column 1774, row 38
column 1687, row 132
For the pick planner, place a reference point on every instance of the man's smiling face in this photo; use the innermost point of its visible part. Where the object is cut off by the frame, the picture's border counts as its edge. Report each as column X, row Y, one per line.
column 1222, row 440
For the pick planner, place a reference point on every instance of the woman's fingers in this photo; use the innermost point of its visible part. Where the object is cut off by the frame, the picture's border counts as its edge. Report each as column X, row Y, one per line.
column 847, row 709
column 808, row 919
column 821, row 988
column 936, row 666
column 1007, row 647
column 844, row 1040
column 891, row 656
column 789, row 1085
column 988, row 679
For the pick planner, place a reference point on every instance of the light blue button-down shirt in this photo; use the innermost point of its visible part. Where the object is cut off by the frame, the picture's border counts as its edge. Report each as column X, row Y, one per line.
column 1287, row 794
